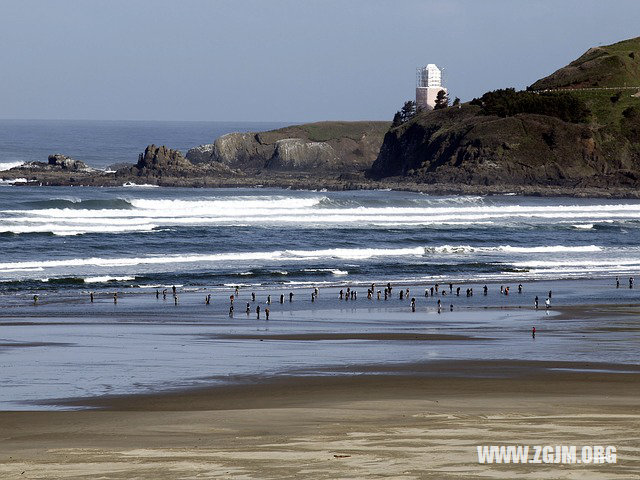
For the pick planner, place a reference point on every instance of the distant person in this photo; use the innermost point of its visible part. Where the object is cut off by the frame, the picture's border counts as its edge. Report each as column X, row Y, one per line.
column 291, row 296
column 535, row 302
column 266, row 313
column 157, row 293
column 115, row 297
column 174, row 289
column 547, row 303
column 258, row 312
column 485, row 290
column 91, row 296
column 237, row 290
column 35, row 299
column 313, row 297
column 232, row 298
column 341, row 294
column 413, row 304
column 268, row 299
column 253, row 296
column 386, row 293
column 630, row 282
column 231, row 310
column 431, row 290
column 451, row 288
column 458, row 291
column 533, row 332
column 389, row 287
column 401, row 294
column 550, row 294
column 437, row 285
column 316, row 291
column 426, row 292
column 501, row 289
column 451, row 307
column 248, row 308
column 379, row 294
column 520, row 288
column 175, row 300
column 164, row 294
column 617, row 282
column 281, row 298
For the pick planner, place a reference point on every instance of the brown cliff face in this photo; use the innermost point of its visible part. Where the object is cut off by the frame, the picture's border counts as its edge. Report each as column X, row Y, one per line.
column 320, row 148
column 507, row 146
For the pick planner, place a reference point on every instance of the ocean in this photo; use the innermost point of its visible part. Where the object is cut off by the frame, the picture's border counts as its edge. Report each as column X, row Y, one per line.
column 64, row 238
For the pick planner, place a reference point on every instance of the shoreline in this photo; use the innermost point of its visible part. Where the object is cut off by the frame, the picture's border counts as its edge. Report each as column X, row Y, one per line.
column 438, row 377
column 310, row 183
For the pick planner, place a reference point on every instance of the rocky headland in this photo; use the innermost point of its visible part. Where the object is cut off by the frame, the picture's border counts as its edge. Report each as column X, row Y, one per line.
column 575, row 132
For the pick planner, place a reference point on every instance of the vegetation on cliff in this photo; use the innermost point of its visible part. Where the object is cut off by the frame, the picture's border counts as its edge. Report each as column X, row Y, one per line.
column 564, row 136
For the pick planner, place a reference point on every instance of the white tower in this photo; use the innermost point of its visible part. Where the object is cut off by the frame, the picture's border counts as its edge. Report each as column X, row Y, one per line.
column 428, row 84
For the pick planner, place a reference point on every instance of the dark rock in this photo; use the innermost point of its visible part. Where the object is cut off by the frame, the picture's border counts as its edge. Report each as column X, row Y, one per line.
column 66, row 163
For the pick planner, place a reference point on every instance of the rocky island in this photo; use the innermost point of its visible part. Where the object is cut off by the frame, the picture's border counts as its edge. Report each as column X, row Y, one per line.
column 575, row 132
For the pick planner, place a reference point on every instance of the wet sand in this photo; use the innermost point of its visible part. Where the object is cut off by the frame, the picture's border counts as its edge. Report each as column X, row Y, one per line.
column 413, row 421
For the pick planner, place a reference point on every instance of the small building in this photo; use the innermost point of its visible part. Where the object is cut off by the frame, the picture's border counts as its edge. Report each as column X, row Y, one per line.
column 428, row 84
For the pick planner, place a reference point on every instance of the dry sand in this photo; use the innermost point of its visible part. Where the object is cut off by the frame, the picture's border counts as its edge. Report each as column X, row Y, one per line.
column 400, row 425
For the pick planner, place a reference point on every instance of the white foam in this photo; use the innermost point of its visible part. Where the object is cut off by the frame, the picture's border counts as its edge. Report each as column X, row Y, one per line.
column 107, row 278
column 9, row 165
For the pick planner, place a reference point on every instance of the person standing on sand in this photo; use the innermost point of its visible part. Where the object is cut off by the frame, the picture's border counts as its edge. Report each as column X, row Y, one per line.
column 157, row 293
column 401, row 295
column 35, row 299
column 174, row 289
column 253, row 296
column 451, row 288
column 458, row 292
column 549, row 294
column 533, row 332
column 617, row 282
column 258, row 312
column 248, row 308
column 341, row 294
column 175, row 300
column 231, row 310
column 115, row 297
column 485, row 289
column 378, row 294
column 547, row 303
column 413, row 304
column 232, row 298
column 91, row 296
column 282, row 298
column 519, row 288
column 630, row 282
column 164, row 294
column 291, row 296
column 535, row 302
column 386, row 295
column 266, row 313
column 268, row 299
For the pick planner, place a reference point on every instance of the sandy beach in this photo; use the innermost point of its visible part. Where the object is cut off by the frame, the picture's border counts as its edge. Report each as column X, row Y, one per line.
column 402, row 424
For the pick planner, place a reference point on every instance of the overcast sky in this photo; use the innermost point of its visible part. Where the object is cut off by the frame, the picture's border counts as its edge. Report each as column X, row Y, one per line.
column 280, row 60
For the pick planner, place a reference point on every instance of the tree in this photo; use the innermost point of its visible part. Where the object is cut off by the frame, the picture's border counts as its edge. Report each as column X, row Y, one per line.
column 408, row 110
column 406, row 113
column 456, row 102
column 442, row 100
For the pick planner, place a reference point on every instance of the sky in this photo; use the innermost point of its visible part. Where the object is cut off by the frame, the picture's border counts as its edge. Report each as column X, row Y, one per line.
column 281, row 60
